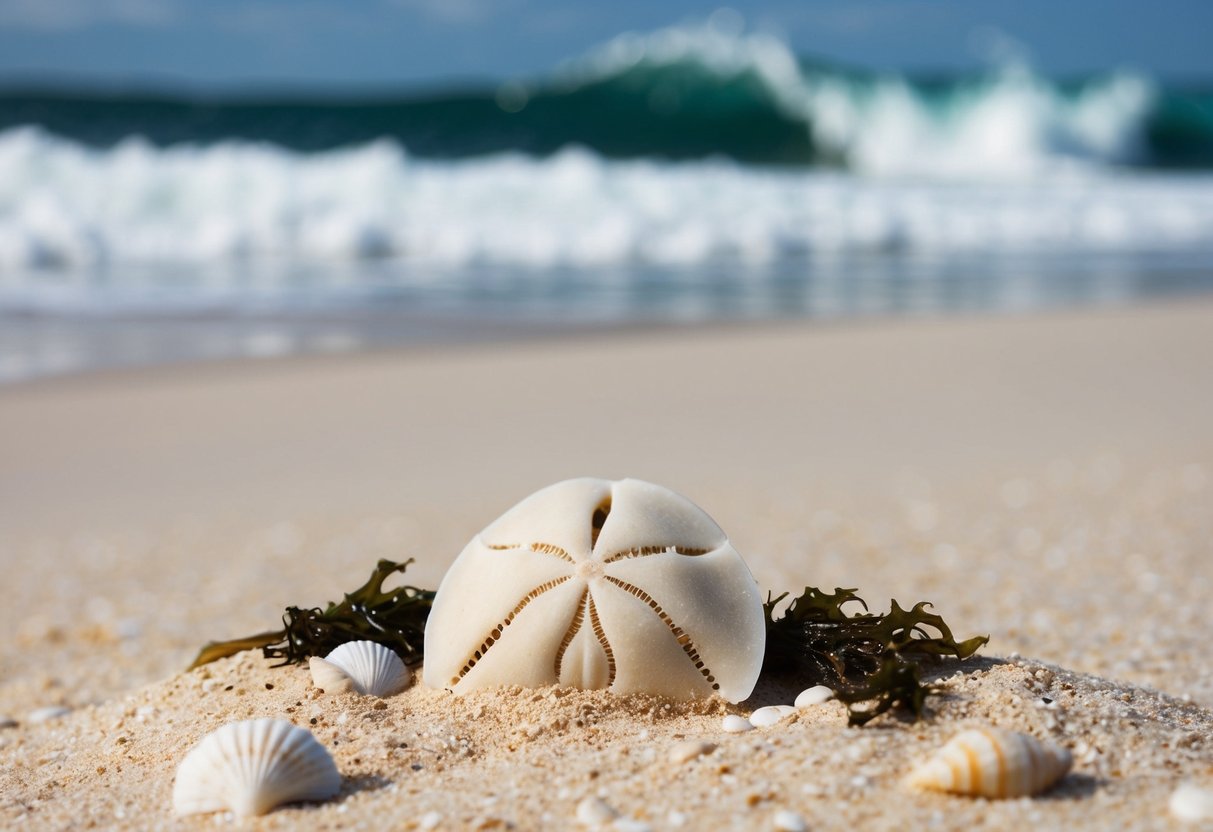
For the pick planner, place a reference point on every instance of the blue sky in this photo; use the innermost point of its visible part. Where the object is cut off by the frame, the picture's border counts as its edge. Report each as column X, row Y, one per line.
column 407, row 42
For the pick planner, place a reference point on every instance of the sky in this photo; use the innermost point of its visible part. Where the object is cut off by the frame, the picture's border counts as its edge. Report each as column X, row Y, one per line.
column 395, row 43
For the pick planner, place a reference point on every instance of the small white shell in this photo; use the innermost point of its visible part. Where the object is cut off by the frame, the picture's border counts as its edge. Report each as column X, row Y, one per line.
column 771, row 715
column 1191, row 803
column 816, row 695
column 788, row 821
column 252, row 766
column 993, row 763
column 365, row 667
column 733, row 724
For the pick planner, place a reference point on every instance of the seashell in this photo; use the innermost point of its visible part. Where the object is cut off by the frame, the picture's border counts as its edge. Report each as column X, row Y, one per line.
column 252, row 766
column 993, row 763
column 365, row 667
column 733, row 724
column 1191, row 803
column 816, row 695
column 590, row 583
column 771, row 715
column 786, row 820
column 329, row 677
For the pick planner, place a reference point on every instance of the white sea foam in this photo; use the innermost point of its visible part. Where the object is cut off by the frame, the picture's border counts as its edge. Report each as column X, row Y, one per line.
column 65, row 208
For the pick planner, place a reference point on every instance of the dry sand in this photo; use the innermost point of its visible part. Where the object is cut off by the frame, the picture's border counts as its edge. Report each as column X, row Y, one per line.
column 1046, row 480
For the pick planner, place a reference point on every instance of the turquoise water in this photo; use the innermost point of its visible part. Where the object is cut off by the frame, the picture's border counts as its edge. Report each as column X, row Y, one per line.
column 680, row 176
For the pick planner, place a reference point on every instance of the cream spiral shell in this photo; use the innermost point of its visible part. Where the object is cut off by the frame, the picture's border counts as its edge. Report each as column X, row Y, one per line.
column 365, row 667
column 993, row 763
column 250, row 767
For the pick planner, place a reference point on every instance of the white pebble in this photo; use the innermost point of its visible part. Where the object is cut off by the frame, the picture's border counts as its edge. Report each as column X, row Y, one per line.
column 688, row 750
column 770, row 715
column 788, row 821
column 816, row 695
column 629, row 825
column 430, row 820
column 1192, row 803
column 47, row 714
column 676, row 819
column 734, row 724
column 594, row 812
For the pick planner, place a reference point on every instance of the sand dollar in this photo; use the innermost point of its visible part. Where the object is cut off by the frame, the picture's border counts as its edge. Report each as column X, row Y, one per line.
column 591, row 583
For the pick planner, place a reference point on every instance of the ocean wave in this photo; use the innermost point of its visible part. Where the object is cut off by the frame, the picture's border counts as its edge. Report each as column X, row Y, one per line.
column 1008, row 122
column 694, row 92
column 65, row 206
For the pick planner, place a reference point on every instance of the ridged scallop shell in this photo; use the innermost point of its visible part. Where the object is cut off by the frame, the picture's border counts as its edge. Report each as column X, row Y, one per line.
column 250, row 767
column 595, row 584
column 366, row 667
column 993, row 763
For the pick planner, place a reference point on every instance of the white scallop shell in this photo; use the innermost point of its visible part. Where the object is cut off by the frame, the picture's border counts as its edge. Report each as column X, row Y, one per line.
column 250, row 767
column 596, row 584
column 993, row 763
column 365, row 667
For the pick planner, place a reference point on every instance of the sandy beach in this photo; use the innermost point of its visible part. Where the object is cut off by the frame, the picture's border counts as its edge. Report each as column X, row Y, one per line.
column 1046, row 480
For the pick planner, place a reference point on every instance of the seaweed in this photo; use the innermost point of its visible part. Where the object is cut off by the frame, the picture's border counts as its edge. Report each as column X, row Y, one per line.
column 873, row 662
column 394, row 618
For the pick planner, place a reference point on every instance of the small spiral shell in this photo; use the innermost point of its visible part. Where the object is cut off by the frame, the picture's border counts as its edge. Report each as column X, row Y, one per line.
column 250, row 767
column 993, row 763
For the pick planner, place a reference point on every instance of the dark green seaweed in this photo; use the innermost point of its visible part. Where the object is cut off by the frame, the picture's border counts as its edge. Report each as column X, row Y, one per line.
column 394, row 618
column 873, row 662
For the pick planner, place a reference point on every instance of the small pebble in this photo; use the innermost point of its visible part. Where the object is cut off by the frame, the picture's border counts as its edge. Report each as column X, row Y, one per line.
column 688, row 750
column 788, row 821
column 770, row 715
column 430, row 820
column 7, row 721
column 1192, row 803
column 47, row 714
column 676, row 819
column 734, row 724
column 629, row 825
column 594, row 812
column 816, row 695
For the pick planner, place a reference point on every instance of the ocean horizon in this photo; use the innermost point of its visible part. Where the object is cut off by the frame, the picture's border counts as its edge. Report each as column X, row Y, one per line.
column 684, row 175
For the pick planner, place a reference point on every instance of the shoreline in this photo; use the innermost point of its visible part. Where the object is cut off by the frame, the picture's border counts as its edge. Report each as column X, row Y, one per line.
column 36, row 347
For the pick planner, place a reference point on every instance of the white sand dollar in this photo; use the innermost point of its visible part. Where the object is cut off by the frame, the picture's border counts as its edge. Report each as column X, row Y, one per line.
column 596, row 584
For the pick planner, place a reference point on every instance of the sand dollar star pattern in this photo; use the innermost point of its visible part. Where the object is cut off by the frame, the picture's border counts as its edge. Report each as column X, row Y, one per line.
column 596, row 584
